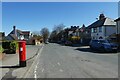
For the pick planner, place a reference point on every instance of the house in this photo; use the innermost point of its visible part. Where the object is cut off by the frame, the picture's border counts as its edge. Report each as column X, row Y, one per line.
column 35, row 40
column 73, row 31
column 2, row 35
column 102, row 28
column 118, row 25
column 16, row 34
column 118, row 29
column 85, row 35
column 72, row 34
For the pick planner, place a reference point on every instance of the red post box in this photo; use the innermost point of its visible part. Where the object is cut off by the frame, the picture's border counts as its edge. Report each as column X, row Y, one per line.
column 22, row 53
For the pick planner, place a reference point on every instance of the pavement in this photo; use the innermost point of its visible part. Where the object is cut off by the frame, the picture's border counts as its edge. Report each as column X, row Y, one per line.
column 9, row 66
column 56, row 61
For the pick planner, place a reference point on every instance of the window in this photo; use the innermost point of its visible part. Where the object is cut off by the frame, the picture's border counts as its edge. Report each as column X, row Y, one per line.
column 94, row 30
column 100, row 29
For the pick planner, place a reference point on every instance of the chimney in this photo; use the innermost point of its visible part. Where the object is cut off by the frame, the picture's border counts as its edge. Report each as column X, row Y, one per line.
column 74, row 26
column 101, row 16
column 14, row 30
column 71, row 26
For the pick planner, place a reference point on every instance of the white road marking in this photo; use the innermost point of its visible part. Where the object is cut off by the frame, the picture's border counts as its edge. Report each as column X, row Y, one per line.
column 42, row 69
column 61, row 70
column 53, row 65
column 35, row 76
column 35, row 72
column 58, row 63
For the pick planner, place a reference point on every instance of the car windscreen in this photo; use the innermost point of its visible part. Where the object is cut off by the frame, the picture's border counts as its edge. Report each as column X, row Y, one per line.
column 103, row 41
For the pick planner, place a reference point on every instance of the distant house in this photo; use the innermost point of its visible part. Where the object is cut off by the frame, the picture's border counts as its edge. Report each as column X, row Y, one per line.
column 2, row 36
column 16, row 34
column 77, row 35
column 102, row 28
column 85, row 35
column 35, row 40
column 73, row 31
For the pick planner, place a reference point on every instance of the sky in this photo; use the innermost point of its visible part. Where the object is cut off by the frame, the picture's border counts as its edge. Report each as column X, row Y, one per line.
column 34, row 16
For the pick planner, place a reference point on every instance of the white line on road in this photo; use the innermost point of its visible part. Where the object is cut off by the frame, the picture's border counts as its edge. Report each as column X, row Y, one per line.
column 42, row 69
column 53, row 65
column 61, row 70
column 35, row 74
column 58, row 63
column 33, row 64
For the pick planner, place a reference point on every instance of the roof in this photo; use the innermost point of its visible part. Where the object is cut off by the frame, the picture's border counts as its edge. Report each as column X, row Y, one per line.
column 73, row 28
column 118, row 19
column 13, row 36
column 26, row 32
column 106, row 21
column 19, row 31
column 109, row 21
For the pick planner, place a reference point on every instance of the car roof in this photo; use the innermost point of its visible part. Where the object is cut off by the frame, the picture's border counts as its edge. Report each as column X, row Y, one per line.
column 98, row 40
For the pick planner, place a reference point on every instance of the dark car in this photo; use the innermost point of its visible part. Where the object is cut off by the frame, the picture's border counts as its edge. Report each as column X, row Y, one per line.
column 68, row 43
column 59, row 42
column 103, row 45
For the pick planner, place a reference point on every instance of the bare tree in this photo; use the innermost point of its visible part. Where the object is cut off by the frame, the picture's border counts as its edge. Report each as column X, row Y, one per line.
column 56, row 30
column 45, row 34
column 36, row 33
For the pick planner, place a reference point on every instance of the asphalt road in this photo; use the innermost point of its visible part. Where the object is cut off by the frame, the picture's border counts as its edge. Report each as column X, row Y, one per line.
column 56, row 61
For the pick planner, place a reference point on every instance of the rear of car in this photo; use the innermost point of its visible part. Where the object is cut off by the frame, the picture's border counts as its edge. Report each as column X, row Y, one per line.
column 68, row 43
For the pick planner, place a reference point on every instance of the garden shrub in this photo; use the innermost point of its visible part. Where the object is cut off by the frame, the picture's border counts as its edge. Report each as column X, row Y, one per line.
column 1, row 49
column 10, row 46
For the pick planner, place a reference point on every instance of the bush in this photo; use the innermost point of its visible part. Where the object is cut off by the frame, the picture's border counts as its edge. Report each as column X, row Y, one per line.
column 1, row 49
column 14, row 45
column 10, row 46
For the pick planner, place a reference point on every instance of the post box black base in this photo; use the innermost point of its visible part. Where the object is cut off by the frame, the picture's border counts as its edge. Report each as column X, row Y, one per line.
column 22, row 63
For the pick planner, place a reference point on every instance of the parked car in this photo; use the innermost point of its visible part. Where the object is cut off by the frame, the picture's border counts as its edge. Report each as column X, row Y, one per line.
column 59, row 42
column 68, row 43
column 47, row 42
column 103, row 45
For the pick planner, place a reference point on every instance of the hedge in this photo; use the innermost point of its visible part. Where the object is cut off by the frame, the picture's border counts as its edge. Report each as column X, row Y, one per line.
column 1, row 49
column 10, row 46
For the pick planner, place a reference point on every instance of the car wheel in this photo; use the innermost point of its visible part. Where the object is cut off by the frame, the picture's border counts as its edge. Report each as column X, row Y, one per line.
column 102, row 49
column 91, row 47
column 115, row 51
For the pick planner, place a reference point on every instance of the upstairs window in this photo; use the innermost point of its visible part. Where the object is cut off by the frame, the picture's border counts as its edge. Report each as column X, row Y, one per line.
column 100, row 29
column 94, row 30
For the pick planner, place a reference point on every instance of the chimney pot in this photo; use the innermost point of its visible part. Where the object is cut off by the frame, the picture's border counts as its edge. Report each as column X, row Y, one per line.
column 101, row 16
column 71, row 26
column 14, row 27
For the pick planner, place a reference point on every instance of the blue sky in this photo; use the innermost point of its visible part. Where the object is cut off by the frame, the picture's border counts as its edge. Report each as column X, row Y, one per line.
column 35, row 15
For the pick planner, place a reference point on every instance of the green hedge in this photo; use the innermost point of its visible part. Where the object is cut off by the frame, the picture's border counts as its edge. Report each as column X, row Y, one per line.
column 1, row 49
column 10, row 46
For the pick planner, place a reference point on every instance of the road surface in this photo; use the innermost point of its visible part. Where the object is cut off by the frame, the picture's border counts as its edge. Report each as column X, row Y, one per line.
column 56, row 61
